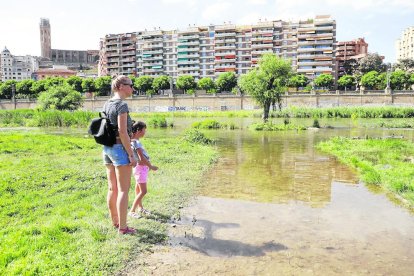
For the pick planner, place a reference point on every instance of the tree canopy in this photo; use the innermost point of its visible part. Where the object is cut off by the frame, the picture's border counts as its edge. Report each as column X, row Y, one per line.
column 267, row 82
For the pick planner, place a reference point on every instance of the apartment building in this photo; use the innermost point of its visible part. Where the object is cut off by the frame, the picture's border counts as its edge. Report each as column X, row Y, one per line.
column 208, row 51
column 17, row 67
column 349, row 50
column 405, row 44
column 316, row 40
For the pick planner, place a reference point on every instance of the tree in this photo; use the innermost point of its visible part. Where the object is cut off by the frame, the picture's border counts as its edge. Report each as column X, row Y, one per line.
column 350, row 66
column 54, row 81
column 61, row 98
column 226, row 81
column 207, row 84
column 24, row 89
column 324, row 80
column 371, row 62
column 298, row 80
column 6, row 89
column 161, row 83
column 144, row 84
column 346, row 81
column 38, row 87
column 406, row 64
column 75, row 82
column 371, row 80
column 88, row 85
column 267, row 82
column 103, row 85
column 399, row 80
column 186, row 83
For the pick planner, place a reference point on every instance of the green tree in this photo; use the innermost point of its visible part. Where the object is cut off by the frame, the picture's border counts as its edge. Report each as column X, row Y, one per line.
column 75, row 82
column 61, row 98
column 54, row 81
column 38, row 87
column 371, row 80
column 186, row 83
column 371, row 62
column 6, row 89
column 88, row 85
column 346, row 81
column 144, row 84
column 24, row 89
column 267, row 82
column 226, row 81
column 298, row 80
column 399, row 80
column 161, row 83
column 103, row 86
column 207, row 84
column 406, row 64
column 350, row 67
column 323, row 80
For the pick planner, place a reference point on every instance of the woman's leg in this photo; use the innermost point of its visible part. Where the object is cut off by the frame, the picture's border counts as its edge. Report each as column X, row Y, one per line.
column 112, row 194
column 123, row 176
column 142, row 191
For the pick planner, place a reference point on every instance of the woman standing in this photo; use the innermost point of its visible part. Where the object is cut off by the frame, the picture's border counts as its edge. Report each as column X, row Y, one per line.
column 119, row 159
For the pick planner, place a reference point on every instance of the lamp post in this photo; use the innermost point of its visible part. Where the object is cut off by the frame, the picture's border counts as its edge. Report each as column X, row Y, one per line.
column 13, row 90
column 388, row 88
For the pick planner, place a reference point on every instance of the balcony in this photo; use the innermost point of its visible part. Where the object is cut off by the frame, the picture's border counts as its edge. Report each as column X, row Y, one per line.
column 231, row 34
column 226, row 47
column 192, row 68
column 183, row 62
column 225, row 53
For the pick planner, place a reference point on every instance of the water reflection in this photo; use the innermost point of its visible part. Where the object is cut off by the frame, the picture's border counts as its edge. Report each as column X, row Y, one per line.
column 274, row 167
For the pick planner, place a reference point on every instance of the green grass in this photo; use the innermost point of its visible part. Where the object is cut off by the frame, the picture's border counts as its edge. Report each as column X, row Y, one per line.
column 345, row 112
column 212, row 124
column 54, row 118
column 276, row 127
column 53, row 214
column 387, row 163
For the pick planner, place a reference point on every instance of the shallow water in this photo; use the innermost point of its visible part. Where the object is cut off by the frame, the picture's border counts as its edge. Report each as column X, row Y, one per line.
column 273, row 204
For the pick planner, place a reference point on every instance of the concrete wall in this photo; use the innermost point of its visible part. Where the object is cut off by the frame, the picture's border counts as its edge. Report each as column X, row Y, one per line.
column 237, row 102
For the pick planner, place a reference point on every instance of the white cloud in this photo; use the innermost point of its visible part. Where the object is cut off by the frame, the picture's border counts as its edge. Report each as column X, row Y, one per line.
column 216, row 11
column 187, row 3
column 257, row 2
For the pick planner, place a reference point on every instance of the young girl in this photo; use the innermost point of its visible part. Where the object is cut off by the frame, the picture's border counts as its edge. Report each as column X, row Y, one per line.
column 141, row 169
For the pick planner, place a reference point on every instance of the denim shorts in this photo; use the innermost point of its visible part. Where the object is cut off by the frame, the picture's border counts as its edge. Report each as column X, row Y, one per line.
column 115, row 155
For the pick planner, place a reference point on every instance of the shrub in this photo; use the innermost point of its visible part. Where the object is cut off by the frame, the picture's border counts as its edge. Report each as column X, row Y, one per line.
column 60, row 98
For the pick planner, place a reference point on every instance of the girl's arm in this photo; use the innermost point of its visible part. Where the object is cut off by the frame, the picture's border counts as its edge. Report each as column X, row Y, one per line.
column 144, row 161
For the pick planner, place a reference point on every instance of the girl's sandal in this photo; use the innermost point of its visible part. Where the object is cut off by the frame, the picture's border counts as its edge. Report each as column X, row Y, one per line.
column 134, row 215
column 145, row 212
column 127, row 231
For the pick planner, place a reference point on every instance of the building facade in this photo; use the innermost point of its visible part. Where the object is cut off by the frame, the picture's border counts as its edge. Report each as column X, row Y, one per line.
column 208, row 51
column 349, row 50
column 405, row 44
column 17, row 67
column 71, row 58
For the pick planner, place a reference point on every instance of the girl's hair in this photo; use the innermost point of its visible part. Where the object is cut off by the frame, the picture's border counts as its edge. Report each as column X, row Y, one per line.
column 138, row 126
column 118, row 80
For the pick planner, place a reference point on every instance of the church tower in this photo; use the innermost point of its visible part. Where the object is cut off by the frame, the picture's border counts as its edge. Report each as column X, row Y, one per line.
column 45, row 39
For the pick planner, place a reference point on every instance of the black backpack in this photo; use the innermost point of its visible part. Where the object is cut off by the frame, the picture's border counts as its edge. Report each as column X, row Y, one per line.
column 102, row 130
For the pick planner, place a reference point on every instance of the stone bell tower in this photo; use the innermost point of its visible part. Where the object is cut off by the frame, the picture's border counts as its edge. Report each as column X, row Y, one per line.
column 45, row 39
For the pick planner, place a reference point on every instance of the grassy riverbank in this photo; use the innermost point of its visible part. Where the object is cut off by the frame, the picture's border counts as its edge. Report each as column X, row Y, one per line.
column 387, row 163
column 54, row 118
column 53, row 214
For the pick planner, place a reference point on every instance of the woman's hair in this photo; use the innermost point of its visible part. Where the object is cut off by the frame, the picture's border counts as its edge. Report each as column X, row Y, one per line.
column 118, row 80
column 138, row 126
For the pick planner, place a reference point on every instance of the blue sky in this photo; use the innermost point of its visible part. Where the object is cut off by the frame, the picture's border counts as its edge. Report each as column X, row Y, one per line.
column 78, row 25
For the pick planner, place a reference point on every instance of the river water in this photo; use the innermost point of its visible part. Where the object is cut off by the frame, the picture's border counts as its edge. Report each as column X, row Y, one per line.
column 275, row 205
